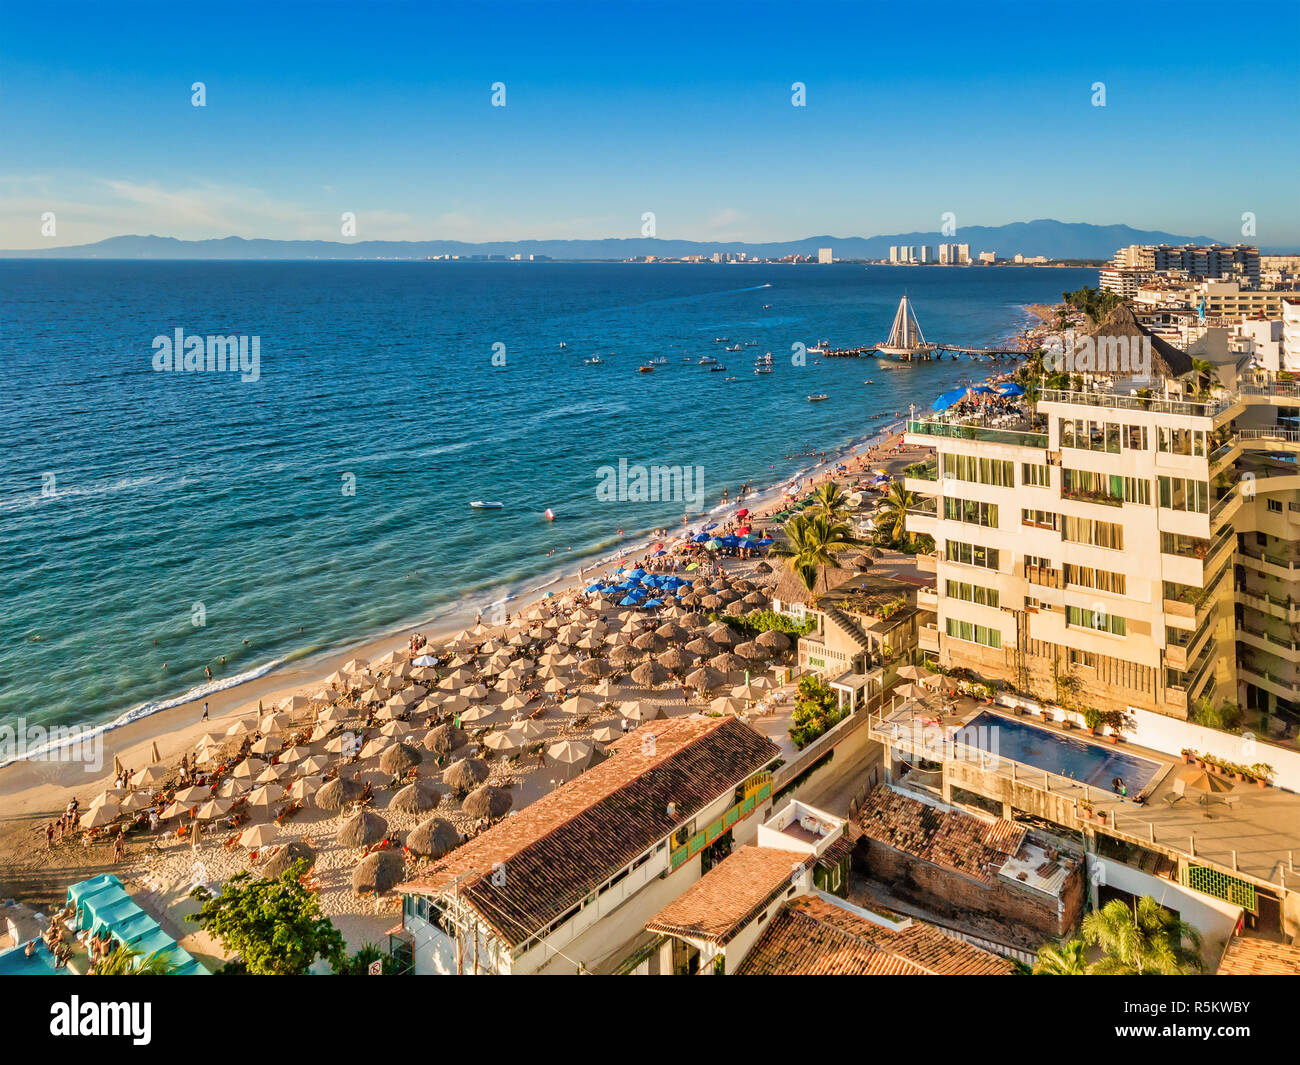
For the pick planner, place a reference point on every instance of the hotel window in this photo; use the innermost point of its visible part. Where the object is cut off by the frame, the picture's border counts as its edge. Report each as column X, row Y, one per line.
column 1082, row 658
column 971, row 512
column 1039, row 519
column 1177, row 493
column 972, row 593
column 972, row 633
column 1106, row 534
column 1181, row 441
column 1038, row 562
column 1178, row 544
column 1000, row 472
column 1135, row 437
column 1100, row 579
column 1275, row 505
column 972, row 554
column 1079, row 618
column 1105, row 488
column 1087, row 435
column 1036, row 475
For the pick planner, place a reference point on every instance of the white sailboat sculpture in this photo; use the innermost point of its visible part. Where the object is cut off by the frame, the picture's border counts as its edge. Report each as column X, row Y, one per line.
column 905, row 337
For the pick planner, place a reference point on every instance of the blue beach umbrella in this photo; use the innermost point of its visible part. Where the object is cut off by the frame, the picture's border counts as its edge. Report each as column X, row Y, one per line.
column 947, row 399
column 637, row 573
column 595, row 588
column 711, row 525
column 1010, row 388
column 653, row 602
column 699, row 538
column 628, row 600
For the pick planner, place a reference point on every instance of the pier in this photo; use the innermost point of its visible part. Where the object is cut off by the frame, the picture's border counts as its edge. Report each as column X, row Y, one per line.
column 908, row 343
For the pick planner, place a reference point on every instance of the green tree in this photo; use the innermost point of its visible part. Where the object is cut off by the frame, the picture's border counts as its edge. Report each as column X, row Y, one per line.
column 1204, row 375
column 126, row 961
column 831, row 501
column 1061, row 959
column 811, row 543
column 1145, row 939
column 276, row 926
column 359, row 963
column 892, row 518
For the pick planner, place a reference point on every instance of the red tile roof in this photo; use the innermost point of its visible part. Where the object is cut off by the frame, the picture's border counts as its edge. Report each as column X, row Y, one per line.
column 730, row 894
column 1247, row 956
column 949, row 838
column 813, row 937
column 530, row 869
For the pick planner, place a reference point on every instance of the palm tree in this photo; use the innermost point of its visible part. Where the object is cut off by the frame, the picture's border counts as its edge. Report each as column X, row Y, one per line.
column 1205, row 373
column 126, row 961
column 1061, row 959
column 892, row 519
column 1145, row 939
column 811, row 543
column 831, row 500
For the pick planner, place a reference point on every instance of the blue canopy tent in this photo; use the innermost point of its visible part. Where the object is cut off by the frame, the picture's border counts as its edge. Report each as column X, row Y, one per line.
column 948, row 399
column 628, row 600
column 982, row 390
column 1010, row 388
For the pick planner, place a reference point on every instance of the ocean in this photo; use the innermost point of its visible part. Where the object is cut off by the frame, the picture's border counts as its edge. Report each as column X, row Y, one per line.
column 152, row 522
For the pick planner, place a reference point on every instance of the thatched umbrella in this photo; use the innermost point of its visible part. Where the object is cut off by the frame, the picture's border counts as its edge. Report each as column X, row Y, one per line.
column 704, row 678
column 293, row 851
column 399, row 758
column 433, row 838
column 337, row 793
column 416, row 798
column 723, row 635
column 465, row 774
column 711, row 601
column 595, row 669
column 676, row 660
column 773, row 640
column 670, row 631
column 444, row 739
column 649, row 674
column 362, row 829
column 702, row 646
column 622, row 657
column 734, row 609
column 693, row 620
column 650, row 641
column 690, row 599
column 751, row 650
column 378, row 873
column 728, row 595
column 763, row 567
column 488, row 801
column 727, row 663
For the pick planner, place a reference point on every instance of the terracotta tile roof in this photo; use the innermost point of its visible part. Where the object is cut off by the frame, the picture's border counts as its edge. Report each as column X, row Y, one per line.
column 529, row 869
column 1246, row 956
column 948, row 838
column 813, row 937
column 730, row 894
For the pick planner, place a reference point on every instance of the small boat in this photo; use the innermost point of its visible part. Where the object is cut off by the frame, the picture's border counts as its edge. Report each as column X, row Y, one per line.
column 722, row 340
column 751, row 343
column 734, row 347
column 688, row 358
column 767, row 306
column 647, row 368
column 661, row 361
column 595, row 360
column 729, row 378
column 818, row 397
column 486, row 504
column 717, row 367
column 762, row 369
column 707, row 360
column 563, row 344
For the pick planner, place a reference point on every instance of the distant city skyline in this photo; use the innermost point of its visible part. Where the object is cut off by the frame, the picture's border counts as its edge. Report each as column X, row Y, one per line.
column 684, row 112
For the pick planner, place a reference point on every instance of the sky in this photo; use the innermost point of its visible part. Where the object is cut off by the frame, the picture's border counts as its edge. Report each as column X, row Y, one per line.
column 385, row 110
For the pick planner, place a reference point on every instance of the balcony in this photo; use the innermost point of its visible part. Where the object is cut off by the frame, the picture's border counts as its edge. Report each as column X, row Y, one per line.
column 1018, row 432
column 923, row 520
column 928, row 563
column 927, row 599
column 928, row 638
column 1111, row 401
column 1046, row 578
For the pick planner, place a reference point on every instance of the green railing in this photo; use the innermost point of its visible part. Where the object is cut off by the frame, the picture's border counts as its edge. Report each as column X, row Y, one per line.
column 957, row 431
column 753, row 797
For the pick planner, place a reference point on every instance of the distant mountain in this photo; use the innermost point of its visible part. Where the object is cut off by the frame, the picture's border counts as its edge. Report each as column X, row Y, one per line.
column 1057, row 240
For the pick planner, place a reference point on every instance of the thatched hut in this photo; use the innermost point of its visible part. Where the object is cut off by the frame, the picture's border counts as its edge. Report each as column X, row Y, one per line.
column 416, row 798
column 650, row 674
column 465, row 774
column 337, row 793
column 595, row 669
column 362, row 829
column 488, row 801
column 444, row 739
column 378, row 873
column 774, row 640
column 399, row 758
column 650, row 641
column 676, row 660
column 433, row 838
column 283, row 859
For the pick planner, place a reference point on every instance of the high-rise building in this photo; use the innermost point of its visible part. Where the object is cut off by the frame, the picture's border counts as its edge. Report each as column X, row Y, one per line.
column 963, row 254
column 824, row 255
column 925, row 253
column 1195, row 260
column 893, row 253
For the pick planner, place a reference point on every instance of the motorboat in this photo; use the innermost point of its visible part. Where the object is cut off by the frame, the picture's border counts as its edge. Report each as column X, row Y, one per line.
column 486, row 504
column 646, row 368
column 818, row 397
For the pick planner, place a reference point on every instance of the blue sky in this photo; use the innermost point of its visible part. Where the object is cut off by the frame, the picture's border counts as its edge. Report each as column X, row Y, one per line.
column 384, row 110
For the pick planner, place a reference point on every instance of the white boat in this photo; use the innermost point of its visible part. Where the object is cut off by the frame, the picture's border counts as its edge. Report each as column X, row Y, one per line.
column 595, row 360
column 762, row 369
column 818, row 397
column 662, row 360
column 486, row 504
column 707, row 360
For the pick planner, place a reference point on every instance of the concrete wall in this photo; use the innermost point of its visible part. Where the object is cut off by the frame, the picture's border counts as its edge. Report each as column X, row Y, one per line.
column 1169, row 735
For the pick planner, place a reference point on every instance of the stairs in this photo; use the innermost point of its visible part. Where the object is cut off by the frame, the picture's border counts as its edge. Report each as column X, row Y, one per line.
column 847, row 627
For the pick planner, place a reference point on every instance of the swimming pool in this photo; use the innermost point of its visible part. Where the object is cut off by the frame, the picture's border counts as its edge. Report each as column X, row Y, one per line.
column 16, row 963
column 1089, row 763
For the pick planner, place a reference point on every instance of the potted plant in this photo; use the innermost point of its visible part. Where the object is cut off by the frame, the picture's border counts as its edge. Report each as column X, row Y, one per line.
column 1092, row 719
column 1263, row 774
column 1187, row 753
column 1085, row 809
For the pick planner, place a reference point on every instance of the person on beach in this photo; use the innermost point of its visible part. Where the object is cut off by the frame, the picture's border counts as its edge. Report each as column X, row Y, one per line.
column 205, row 712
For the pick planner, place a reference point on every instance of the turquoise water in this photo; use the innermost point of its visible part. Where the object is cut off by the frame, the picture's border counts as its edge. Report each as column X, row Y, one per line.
column 128, row 496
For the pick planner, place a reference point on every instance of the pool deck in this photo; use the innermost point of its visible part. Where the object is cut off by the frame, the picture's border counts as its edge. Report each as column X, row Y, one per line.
column 1253, row 830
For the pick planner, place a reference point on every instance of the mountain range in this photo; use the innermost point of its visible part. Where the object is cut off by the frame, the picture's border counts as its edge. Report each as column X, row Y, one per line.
column 1056, row 240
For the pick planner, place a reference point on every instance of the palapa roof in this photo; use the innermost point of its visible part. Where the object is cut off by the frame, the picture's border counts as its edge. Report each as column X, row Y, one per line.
column 1247, row 956
column 731, row 894
column 1166, row 360
column 954, row 840
column 556, row 851
column 813, row 937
